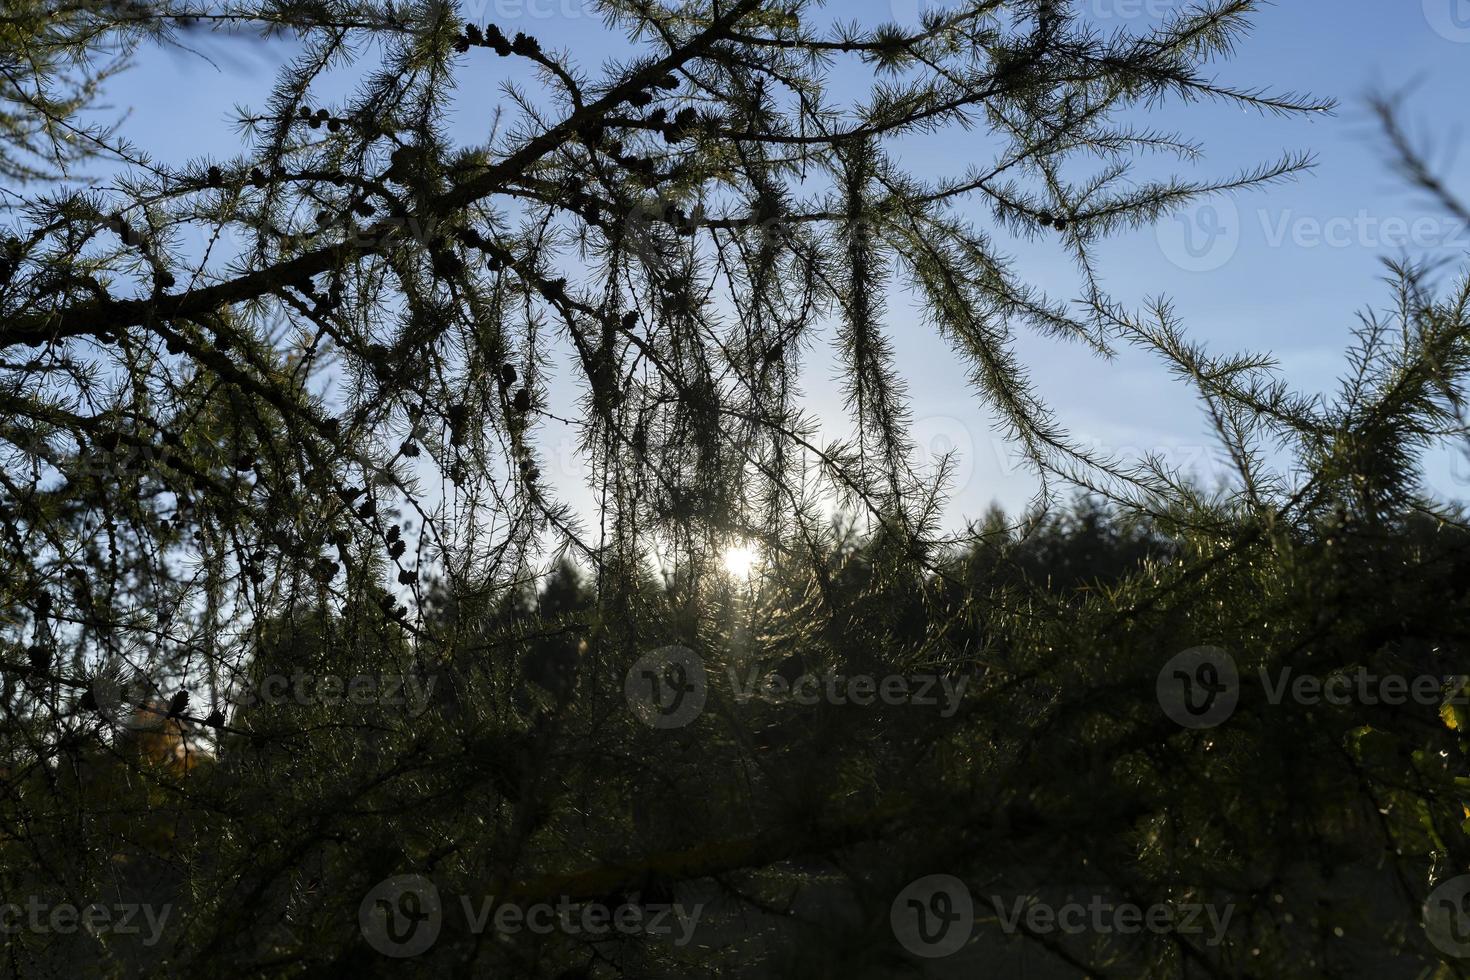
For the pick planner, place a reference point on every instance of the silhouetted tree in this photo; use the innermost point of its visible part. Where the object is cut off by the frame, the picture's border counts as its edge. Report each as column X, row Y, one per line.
column 311, row 449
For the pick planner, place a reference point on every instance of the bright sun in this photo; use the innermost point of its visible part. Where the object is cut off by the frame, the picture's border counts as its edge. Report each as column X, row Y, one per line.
column 740, row 560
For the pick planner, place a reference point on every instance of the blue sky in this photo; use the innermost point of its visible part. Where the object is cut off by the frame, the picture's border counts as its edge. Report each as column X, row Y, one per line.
column 1284, row 270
